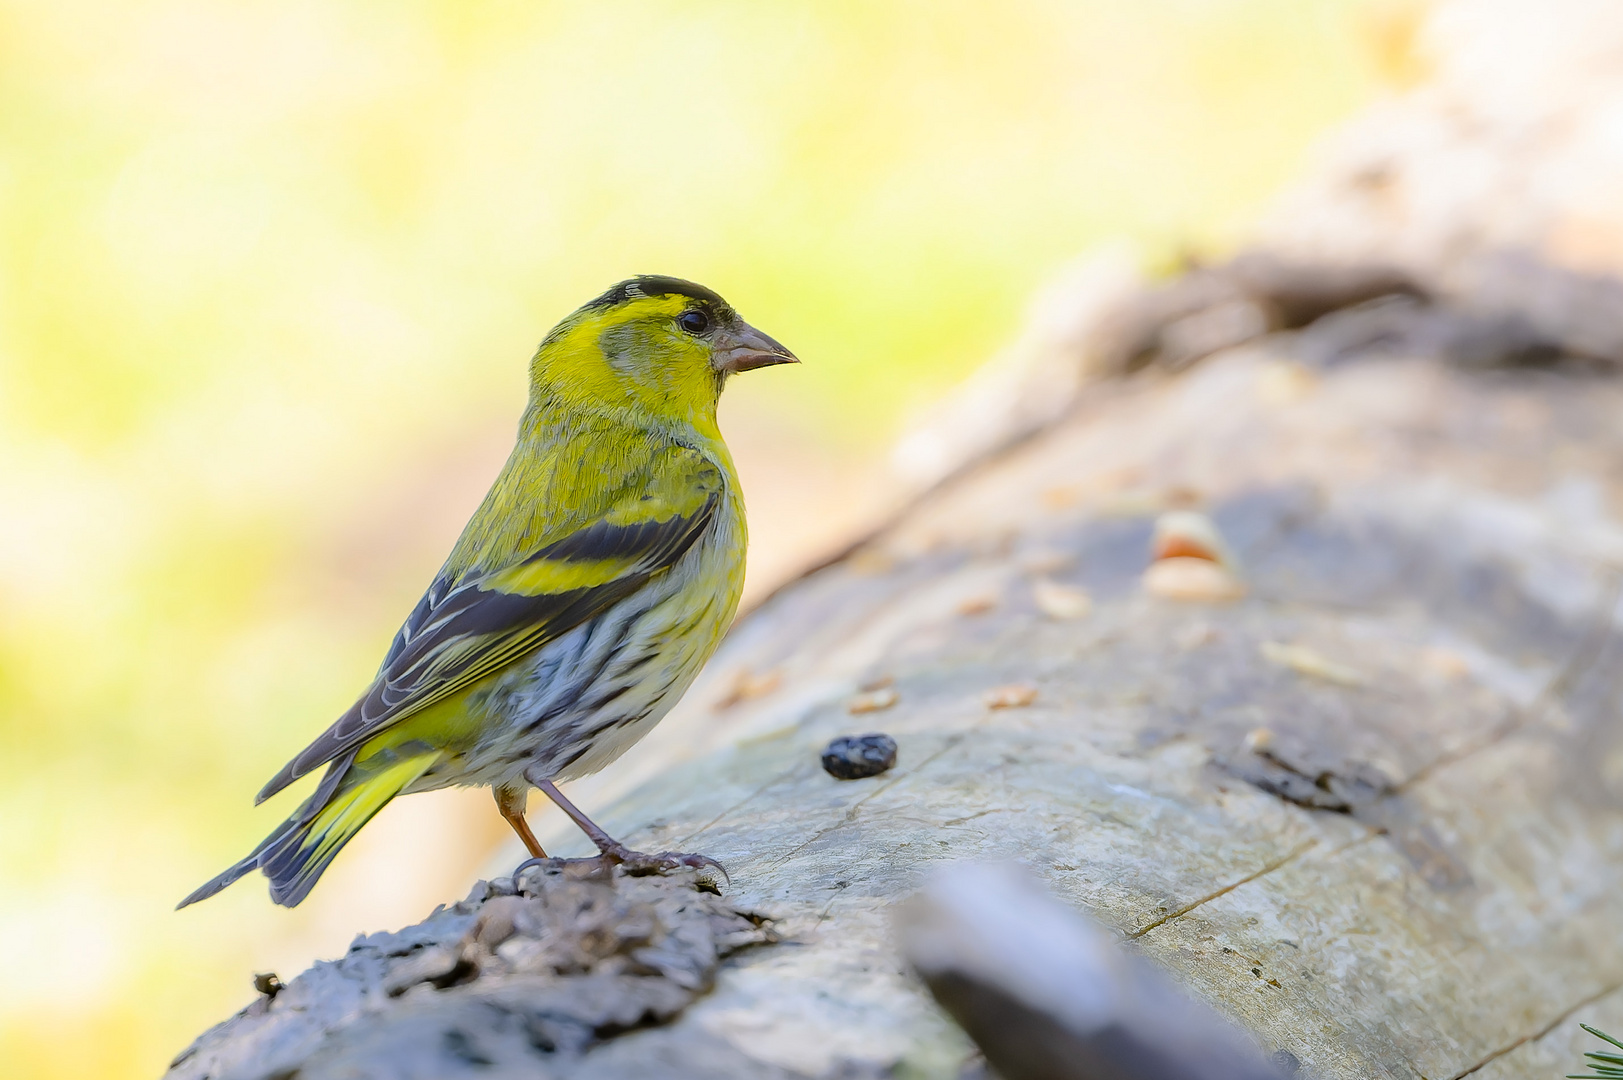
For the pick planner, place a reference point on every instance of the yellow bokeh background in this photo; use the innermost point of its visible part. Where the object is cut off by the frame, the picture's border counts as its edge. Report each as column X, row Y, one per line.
column 269, row 273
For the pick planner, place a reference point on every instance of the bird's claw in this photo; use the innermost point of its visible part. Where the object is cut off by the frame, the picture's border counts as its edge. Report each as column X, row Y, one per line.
column 538, row 860
column 639, row 864
column 634, row 863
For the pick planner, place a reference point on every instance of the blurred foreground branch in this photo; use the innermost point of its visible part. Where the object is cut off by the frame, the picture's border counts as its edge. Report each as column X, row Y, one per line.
column 1048, row 997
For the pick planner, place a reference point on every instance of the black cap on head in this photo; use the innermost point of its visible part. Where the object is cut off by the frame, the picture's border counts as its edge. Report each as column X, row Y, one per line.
column 656, row 285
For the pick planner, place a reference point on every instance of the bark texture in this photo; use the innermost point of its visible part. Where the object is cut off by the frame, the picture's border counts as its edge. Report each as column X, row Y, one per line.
column 518, row 979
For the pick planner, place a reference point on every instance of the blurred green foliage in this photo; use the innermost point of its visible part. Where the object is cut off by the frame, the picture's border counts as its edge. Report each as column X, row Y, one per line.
column 269, row 272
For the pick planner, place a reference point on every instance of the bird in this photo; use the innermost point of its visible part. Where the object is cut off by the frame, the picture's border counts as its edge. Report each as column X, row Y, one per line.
column 583, row 597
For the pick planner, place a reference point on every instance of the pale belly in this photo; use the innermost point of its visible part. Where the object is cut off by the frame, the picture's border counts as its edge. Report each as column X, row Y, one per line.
column 580, row 701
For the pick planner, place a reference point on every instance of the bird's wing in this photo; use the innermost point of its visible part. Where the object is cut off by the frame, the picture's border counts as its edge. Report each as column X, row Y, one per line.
column 464, row 630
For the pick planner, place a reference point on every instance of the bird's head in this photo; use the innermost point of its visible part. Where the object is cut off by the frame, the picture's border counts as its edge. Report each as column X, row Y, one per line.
column 658, row 346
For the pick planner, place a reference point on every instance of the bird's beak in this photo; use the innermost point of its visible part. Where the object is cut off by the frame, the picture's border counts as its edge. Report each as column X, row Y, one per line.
column 746, row 348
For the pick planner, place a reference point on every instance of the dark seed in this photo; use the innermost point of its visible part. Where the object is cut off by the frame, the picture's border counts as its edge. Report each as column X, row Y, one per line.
column 1286, row 1062
column 268, row 984
column 852, row 757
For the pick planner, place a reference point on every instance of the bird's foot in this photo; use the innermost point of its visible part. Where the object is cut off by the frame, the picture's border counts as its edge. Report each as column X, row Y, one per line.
column 543, row 862
column 633, row 863
column 639, row 864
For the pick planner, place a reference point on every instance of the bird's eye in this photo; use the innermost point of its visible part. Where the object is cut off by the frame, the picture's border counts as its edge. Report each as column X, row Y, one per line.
column 694, row 322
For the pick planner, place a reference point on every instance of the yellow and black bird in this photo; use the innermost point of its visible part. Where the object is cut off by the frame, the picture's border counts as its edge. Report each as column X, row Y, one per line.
column 590, row 587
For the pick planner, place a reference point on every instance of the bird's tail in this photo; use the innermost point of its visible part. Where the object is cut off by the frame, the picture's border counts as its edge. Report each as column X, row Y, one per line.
column 295, row 855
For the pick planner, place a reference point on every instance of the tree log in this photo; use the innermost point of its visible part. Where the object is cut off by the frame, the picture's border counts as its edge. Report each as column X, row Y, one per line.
column 1369, row 810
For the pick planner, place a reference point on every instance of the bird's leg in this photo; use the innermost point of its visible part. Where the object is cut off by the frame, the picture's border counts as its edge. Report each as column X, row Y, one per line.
column 510, row 804
column 612, row 851
column 593, row 831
